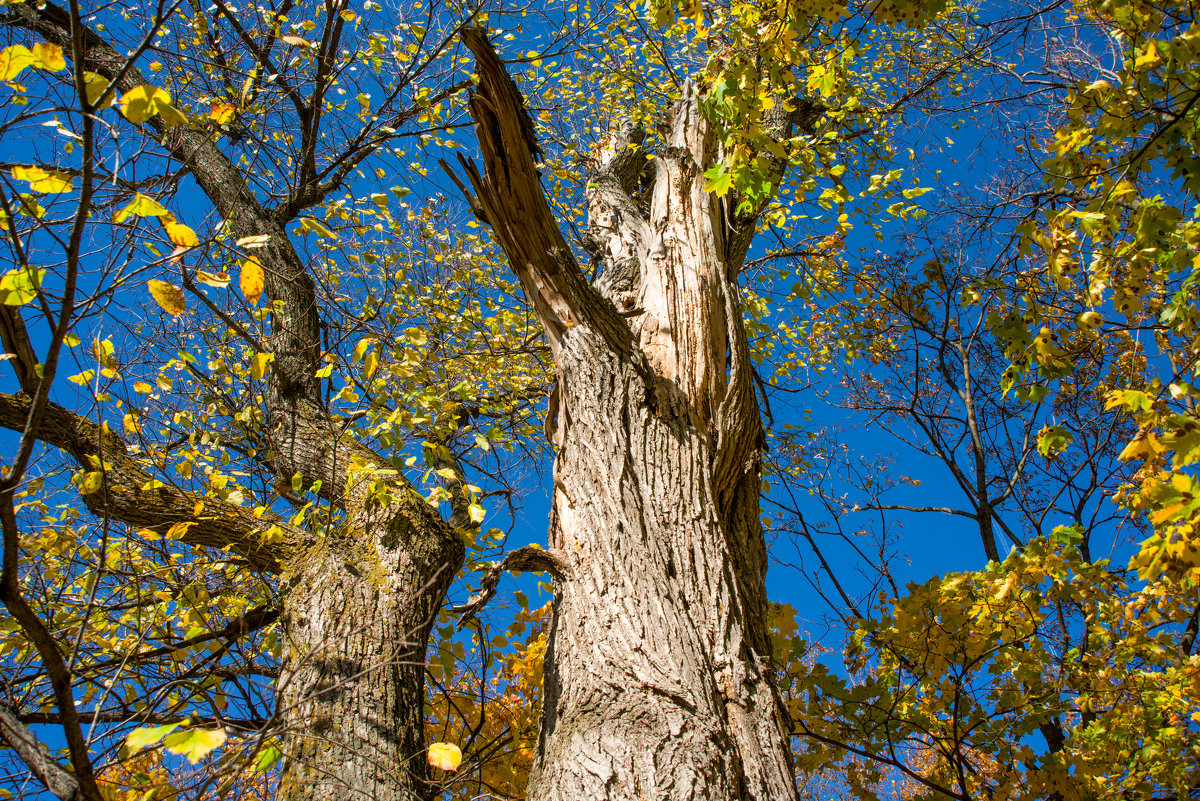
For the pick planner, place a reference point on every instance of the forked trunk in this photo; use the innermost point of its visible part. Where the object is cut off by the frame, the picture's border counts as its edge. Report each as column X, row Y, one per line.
column 658, row 664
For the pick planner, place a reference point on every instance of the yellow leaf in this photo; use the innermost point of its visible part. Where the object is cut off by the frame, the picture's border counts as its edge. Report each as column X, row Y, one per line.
column 195, row 744
column 446, row 756
column 13, row 60
column 168, row 296
column 252, row 242
column 48, row 57
column 142, row 388
column 143, row 102
column 181, row 236
column 20, row 286
column 179, row 530
column 91, row 482
column 310, row 226
column 258, row 368
column 1008, row 585
column 170, row 115
column 1144, row 445
column 41, row 180
column 370, row 364
column 251, row 280
column 142, row 206
column 148, row 735
column 29, row 207
column 219, row 280
column 96, row 86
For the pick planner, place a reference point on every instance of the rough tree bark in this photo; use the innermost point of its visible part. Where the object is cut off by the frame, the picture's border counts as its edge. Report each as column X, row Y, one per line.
column 357, row 605
column 657, row 670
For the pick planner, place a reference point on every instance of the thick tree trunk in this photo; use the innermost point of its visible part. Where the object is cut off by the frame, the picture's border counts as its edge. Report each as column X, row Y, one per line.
column 658, row 664
column 357, row 615
column 656, row 687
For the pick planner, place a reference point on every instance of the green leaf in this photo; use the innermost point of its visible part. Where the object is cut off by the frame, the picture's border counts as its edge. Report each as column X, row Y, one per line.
column 267, row 758
column 19, row 285
column 195, row 744
column 148, row 735
column 719, row 180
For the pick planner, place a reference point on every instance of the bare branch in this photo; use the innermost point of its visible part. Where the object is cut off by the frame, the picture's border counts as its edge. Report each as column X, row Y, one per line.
column 531, row 558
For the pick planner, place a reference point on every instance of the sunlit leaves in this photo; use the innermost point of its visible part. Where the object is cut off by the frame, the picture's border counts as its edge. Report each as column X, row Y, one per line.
column 1129, row 242
column 97, row 87
column 218, row 280
column 179, row 234
column 144, row 102
column 194, row 744
column 15, row 58
column 28, row 206
column 990, row 660
column 140, row 206
column 259, row 364
column 445, row 756
column 310, row 225
column 43, row 181
column 149, row 735
column 222, row 113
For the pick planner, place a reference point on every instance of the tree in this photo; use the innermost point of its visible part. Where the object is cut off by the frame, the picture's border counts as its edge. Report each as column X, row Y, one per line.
column 358, row 540
column 656, row 473
column 988, row 338
column 277, row 497
column 354, row 573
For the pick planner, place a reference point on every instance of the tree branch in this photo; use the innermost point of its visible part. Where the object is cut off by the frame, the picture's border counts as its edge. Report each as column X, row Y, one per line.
column 531, row 558
column 127, row 494
column 36, row 754
column 509, row 198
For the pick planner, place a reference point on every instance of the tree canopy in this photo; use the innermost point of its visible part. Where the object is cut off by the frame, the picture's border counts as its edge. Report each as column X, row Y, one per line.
column 291, row 311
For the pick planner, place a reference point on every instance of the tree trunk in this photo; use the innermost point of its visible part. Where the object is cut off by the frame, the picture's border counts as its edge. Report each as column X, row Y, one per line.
column 658, row 665
column 357, row 615
column 656, row 675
